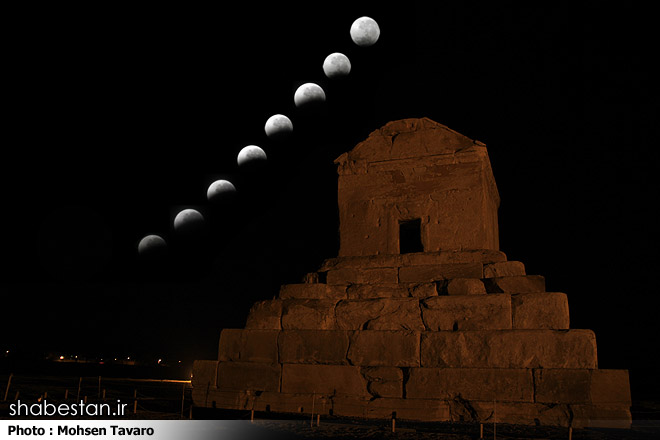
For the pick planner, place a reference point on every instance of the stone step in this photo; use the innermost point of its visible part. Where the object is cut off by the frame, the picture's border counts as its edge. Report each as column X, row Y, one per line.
column 583, row 397
column 458, row 286
column 405, row 348
column 544, row 310
column 312, row 291
column 426, row 410
column 483, row 256
column 418, row 281
column 515, row 284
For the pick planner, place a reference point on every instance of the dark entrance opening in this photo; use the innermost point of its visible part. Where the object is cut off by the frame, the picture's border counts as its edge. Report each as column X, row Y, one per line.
column 410, row 236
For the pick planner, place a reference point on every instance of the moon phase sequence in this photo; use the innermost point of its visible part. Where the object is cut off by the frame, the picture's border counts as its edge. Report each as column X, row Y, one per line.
column 364, row 32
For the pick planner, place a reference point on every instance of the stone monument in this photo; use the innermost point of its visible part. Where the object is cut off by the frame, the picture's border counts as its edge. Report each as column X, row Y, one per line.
column 421, row 316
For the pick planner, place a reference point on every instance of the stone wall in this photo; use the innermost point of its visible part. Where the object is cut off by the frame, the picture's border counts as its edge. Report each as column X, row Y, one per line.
column 416, row 169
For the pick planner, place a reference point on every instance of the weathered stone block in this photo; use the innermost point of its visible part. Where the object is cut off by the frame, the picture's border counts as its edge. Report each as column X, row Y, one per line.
column 422, row 290
column 313, row 346
column 312, row 291
column 454, row 349
column 509, row 349
column 384, row 348
column 543, row 349
column 323, row 379
column 370, row 291
column 513, row 385
column 242, row 376
column 210, row 397
column 520, row 413
column 465, row 286
column 383, row 381
column 301, row 403
column 379, row 314
column 516, row 284
column 547, row 310
column 467, row 312
column 308, row 314
column 204, row 373
column 249, row 345
column 436, row 272
column 483, row 256
column 610, row 387
column 265, row 315
column 362, row 262
column 601, row 416
column 504, row 269
column 347, row 275
column 429, row 410
column 562, row 385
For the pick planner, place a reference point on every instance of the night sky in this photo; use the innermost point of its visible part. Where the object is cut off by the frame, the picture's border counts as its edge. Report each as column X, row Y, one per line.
column 117, row 118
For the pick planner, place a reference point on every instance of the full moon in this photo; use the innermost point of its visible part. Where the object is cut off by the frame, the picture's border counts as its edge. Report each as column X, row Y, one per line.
column 220, row 190
column 336, row 65
column 308, row 94
column 365, row 31
column 188, row 221
column 278, row 126
column 152, row 245
column 251, row 155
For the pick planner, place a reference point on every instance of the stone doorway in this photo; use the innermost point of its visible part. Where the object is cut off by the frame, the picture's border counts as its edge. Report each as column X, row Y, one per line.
column 410, row 236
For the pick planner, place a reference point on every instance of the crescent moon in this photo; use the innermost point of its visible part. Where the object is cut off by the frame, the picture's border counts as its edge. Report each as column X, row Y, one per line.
column 308, row 94
column 188, row 220
column 278, row 126
column 151, row 245
column 220, row 190
column 251, row 154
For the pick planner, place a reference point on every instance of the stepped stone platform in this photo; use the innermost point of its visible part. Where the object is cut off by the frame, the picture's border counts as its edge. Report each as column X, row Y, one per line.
column 467, row 332
column 450, row 332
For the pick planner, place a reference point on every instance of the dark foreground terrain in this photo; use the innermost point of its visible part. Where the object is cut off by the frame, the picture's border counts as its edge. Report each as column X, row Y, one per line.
column 163, row 398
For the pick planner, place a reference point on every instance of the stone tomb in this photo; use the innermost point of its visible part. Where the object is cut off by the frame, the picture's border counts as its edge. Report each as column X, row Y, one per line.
column 421, row 314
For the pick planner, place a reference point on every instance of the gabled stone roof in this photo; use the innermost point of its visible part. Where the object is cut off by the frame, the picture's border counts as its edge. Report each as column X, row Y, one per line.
column 407, row 138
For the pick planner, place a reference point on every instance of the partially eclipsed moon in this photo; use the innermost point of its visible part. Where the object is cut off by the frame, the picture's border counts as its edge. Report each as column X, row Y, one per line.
column 152, row 245
column 188, row 220
column 220, row 190
column 307, row 94
column 278, row 126
column 250, row 155
column 336, row 65
column 365, row 31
